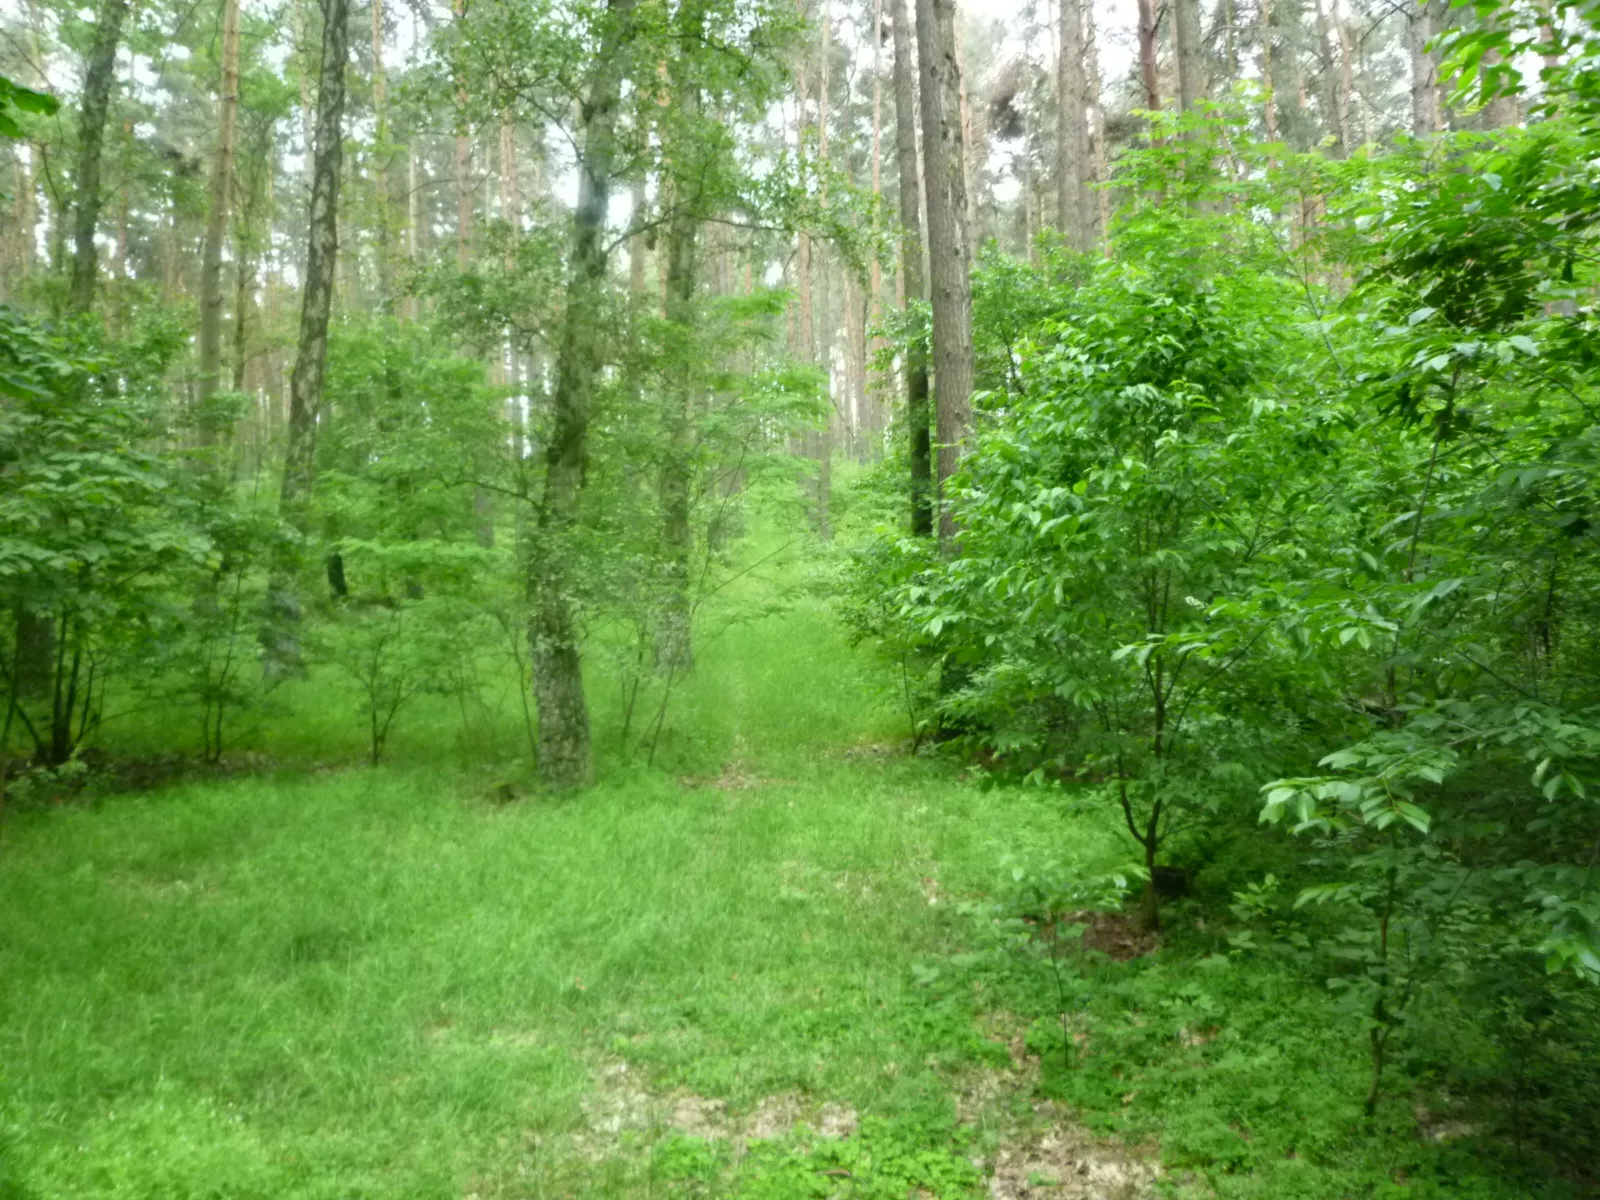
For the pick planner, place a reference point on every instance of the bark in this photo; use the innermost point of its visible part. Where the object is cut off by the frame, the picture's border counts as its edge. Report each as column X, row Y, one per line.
column 918, row 418
column 217, row 222
column 1502, row 111
column 1149, row 18
column 382, row 157
column 1072, row 131
column 306, row 381
column 463, row 165
column 1191, row 64
column 674, row 648
column 1424, row 70
column 565, row 759
column 1269, row 103
column 1335, row 115
column 98, row 78
column 949, row 256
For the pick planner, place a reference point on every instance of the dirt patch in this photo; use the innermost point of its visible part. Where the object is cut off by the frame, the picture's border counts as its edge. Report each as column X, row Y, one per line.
column 621, row 1108
column 1063, row 1162
column 1113, row 933
column 1041, row 1150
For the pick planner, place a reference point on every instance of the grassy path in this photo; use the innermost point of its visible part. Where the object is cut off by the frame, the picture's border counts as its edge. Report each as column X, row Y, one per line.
column 383, row 983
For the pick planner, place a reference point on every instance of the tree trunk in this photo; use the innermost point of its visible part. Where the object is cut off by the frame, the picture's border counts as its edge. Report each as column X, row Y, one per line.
column 674, row 648
column 1072, row 131
column 1424, row 70
column 381, row 160
column 311, row 360
column 1335, row 116
column 565, row 759
column 463, row 164
column 217, row 224
column 949, row 255
column 1191, row 64
column 1149, row 18
column 918, row 418
column 1270, row 103
column 99, row 75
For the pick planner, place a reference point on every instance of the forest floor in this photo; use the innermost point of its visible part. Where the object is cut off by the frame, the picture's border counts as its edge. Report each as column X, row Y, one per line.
column 763, row 967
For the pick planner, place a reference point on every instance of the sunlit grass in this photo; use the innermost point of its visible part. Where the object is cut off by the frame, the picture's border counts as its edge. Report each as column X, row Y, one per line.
column 356, row 982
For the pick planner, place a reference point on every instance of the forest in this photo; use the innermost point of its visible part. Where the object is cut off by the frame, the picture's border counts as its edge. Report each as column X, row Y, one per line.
column 836, row 599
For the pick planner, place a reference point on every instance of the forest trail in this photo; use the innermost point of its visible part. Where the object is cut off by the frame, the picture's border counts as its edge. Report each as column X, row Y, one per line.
column 708, row 978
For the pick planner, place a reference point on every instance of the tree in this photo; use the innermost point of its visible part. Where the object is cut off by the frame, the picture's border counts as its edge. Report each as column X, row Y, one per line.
column 565, row 757
column 98, row 78
column 217, row 219
column 949, row 255
column 310, row 368
column 916, row 360
column 1074, row 215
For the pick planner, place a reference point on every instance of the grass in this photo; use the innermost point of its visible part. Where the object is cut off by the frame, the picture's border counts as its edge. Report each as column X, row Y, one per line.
column 361, row 982
column 352, row 982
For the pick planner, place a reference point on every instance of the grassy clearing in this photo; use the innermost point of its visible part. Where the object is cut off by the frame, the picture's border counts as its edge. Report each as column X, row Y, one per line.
column 767, row 967
column 384, row 983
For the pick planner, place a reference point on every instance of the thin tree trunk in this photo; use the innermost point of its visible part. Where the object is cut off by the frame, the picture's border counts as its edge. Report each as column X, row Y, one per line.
column 463, row 164
column 1335, row 115
column 381, row 159
column 217, row 223
column 1424, row 69
column 1191, row 64
column 565, row 759
column 98, row 79
column 1270, row 103
column 1149, row 17
column 1072, row 131
column 918, row 418
column 949, row 255
column 674, row 648
column 306, row 381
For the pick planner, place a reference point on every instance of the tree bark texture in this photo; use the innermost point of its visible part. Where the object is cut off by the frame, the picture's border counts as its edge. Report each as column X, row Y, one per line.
column 565, row 756
column 311, row 360
column 918, row 418
column 1072, row 132
column 210, row 349
column 949, row 256
column 98, row 78
column 1191, row 61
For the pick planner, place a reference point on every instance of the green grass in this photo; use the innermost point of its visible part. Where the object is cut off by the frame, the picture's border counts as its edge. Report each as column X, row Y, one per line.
column 346, row 982
column 365, row 982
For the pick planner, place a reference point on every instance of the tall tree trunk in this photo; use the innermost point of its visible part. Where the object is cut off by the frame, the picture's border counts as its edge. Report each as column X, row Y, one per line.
column 382, row 158
column 1269, row 101
column 463, row 164
column 311, row 360
column 217, row 223
column 674, row 648
column 825, row 345
column 1191, row 63
column 1334, row 115
column 1098, row 198
column 949, row 256
column 918, row 418
column 1424, row 69
column 98, row 78
column 1072, row 130
column 1149, row 19
column 565, row 759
